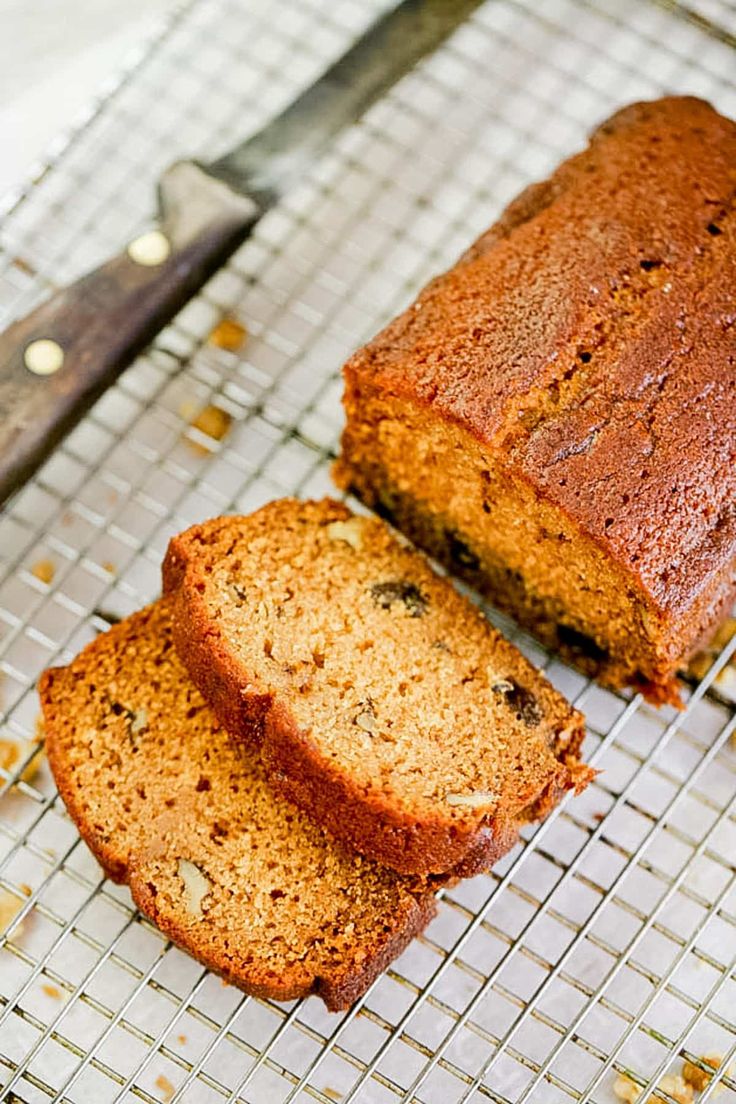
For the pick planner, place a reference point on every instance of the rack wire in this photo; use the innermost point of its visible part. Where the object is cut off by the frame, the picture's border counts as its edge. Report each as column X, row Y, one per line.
column 604, row 944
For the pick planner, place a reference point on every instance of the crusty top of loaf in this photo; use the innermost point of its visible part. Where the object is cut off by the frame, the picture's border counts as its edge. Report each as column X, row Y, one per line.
column 589, row 338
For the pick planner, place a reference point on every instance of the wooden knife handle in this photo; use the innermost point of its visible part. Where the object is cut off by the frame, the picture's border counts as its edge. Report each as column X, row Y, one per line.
column 60, row 358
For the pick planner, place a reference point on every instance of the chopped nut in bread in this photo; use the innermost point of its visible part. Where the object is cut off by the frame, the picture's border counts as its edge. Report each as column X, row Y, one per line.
column 196, row 887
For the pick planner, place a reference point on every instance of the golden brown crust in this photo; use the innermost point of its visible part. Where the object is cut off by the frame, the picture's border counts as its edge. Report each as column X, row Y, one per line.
column 371, row 821
column 586, row 342
column 149, row 788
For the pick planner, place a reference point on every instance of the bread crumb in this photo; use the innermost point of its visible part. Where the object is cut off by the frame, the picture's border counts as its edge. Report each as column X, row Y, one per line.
column 44, row 570
column 51, row 991
column 699, row 1078
column 166, row 1088
column 672, row 1083
column 10, row 906
column 676, row 1087
column 700, row 664
column 9, row 753
column 109, row 566
column 12, row 751
column 181, row 1039
column 228, row 334
column 213, row 422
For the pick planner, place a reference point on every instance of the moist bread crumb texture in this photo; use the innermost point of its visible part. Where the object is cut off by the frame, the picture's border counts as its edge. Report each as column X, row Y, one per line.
column 229, row 870
column 554, row 418
column 382, row 702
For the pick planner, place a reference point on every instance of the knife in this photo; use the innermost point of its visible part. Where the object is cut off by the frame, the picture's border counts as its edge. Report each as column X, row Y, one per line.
column 56, row 361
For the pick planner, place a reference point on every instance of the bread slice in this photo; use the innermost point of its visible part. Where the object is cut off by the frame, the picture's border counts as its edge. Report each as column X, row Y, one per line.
column 383, row 702
column 231, row 872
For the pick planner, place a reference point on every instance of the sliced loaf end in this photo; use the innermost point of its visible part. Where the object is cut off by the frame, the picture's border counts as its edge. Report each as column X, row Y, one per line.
column 228, row 870
column 384, row 704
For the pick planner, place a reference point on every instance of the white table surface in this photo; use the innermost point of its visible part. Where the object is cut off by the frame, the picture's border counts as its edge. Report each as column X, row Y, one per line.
column 55, row 57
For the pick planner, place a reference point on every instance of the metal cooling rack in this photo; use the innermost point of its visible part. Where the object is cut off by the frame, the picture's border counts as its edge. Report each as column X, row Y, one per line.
column 605, row 943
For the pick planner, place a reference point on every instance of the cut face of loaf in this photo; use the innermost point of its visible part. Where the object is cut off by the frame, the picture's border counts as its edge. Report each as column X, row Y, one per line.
column 383, row 703
column 555, row 417
column 226, row 868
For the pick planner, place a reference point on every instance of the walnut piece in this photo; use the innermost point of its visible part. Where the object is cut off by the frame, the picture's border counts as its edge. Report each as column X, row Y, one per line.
column 366, row 721
column 196, row 887
column 478, row 800
column 350, row 531
column 138, row 721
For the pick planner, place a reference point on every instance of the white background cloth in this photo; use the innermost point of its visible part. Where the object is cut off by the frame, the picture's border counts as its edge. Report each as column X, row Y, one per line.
column 55, row 57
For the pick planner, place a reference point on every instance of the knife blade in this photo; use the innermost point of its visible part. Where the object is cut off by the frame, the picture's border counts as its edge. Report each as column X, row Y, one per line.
column 58, row 360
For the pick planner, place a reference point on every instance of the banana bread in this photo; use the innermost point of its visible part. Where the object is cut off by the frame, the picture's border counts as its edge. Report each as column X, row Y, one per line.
column 555, row 417
column 383, row 702
column 228, row 870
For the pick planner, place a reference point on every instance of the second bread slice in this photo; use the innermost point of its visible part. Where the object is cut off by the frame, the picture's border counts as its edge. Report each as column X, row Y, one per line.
column 383, row 703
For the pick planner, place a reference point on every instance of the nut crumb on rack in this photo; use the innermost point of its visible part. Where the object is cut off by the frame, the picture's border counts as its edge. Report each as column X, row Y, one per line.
column 228, row 334
column 109, row 566
column 165, row 1087
column 51, row 991
column 181, row 1039
column 44, row 570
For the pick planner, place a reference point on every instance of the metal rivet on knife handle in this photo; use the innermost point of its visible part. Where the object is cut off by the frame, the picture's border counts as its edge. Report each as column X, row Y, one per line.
column 43, row 357
column 150, row 249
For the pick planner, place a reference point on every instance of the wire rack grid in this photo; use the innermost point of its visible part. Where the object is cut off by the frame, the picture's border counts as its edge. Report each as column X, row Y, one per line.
column 604, row 943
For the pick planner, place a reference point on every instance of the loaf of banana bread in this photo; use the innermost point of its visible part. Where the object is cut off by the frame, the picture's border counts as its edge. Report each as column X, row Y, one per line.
column 555, row 417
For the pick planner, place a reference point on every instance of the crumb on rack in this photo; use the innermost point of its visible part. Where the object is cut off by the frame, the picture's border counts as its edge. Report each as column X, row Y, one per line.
column 165, row 1087
column 51, row 991
column 10, row 906
column 109, row 566
column 228, row 334
column 333, row 1094
column 181, row 1039
column 44, row 570
column 699, row 1078
column 680, row 1087
column 12, row 751
column 212, row 421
